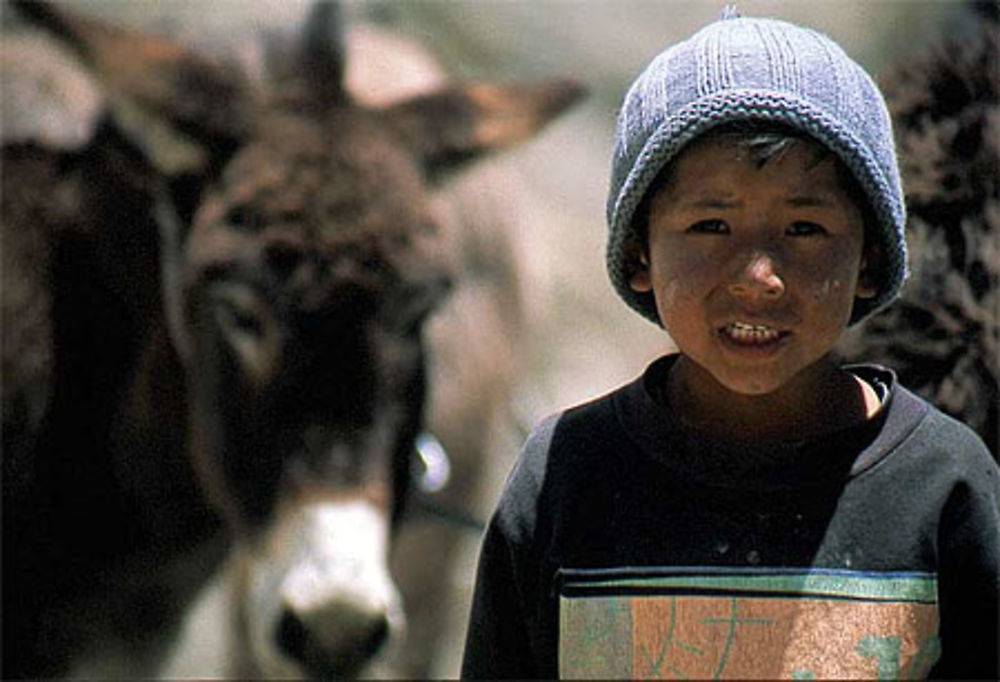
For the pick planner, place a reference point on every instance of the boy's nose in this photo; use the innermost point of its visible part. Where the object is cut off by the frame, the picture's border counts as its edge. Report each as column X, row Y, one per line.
column 758, row 278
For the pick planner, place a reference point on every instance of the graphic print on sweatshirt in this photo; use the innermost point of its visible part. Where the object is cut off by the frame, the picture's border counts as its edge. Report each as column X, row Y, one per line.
column 645, row 623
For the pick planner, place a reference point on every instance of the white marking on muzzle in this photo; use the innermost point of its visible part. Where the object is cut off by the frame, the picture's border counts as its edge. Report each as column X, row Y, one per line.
column 344, row 557
column 329, row 601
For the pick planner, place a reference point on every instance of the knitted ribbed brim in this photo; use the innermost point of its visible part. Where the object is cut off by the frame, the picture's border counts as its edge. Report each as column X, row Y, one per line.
column 743, row 69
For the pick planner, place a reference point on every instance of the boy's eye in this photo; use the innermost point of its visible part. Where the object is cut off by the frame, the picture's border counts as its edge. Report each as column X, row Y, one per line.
column 805, row 229
column 709, row 227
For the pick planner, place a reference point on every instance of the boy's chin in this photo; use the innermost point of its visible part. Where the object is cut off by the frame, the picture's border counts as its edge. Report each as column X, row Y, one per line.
column 752, row 387
column 765, row 379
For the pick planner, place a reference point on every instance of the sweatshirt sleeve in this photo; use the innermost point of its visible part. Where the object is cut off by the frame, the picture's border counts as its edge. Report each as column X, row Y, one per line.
column 968, row 580
column 503, row 630
column 496, row 645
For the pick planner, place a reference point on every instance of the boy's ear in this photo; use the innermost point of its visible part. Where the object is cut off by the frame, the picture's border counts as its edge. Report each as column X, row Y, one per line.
column 640, row 280
column 869, row 274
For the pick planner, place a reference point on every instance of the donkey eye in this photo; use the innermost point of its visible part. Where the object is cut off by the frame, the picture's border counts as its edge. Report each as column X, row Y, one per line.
column 248, row 327
column 282, row 258
column 244, row 218
column 236, row 319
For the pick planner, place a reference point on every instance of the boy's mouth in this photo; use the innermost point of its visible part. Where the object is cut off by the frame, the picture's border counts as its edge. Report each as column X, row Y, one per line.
column 751, row 334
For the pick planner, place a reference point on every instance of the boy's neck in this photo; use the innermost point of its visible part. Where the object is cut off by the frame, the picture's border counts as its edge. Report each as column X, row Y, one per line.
column 822, row 400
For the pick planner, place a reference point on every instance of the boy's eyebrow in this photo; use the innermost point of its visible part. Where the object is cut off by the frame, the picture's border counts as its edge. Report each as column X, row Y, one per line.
column 810, row 200
column 722, row 202
column 711, row 203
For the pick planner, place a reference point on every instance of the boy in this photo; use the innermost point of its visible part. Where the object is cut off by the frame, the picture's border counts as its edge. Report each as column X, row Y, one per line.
column 748, row 508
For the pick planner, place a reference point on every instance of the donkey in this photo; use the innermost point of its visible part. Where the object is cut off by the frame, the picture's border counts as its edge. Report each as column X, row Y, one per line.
column 213, row 316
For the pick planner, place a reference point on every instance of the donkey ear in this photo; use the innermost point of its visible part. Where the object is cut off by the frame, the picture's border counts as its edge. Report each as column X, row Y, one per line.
column 172, row 103
column 321, row 57
column 450, row 127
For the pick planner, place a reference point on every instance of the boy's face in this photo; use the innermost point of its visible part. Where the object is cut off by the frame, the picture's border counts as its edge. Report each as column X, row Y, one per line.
column 754, row 269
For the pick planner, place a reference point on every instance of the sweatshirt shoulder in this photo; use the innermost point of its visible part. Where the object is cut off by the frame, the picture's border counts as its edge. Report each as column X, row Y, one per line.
column 569, row 433
column 951, row 442
column 555, row 453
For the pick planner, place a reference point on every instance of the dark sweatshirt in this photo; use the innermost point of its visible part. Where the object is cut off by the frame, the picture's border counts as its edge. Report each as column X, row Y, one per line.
column 626, row 545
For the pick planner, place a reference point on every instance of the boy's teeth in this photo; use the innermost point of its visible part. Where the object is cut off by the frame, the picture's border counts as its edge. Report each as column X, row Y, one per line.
column 751, row 333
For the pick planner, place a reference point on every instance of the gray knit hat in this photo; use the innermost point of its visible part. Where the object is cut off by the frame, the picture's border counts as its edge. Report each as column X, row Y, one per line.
column 743, row 69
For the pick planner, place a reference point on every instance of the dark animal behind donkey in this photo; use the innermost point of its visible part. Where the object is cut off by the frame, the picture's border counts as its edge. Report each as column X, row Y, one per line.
column 943, row 336
column 212, row 314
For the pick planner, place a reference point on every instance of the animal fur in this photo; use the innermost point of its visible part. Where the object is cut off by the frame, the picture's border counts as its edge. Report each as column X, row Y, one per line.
column 943, row 335
column 232, row 283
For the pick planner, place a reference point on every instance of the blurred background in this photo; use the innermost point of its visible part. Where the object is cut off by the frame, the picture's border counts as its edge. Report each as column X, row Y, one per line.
column 584, row 341
column 574, row 339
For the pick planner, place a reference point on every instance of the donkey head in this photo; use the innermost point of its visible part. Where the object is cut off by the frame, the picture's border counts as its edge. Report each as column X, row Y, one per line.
column 300, row 256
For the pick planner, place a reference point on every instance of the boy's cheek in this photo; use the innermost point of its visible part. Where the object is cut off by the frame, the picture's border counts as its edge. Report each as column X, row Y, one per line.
column 831, row 277
column 668, row 294
column 676, row 304
column 829, row 288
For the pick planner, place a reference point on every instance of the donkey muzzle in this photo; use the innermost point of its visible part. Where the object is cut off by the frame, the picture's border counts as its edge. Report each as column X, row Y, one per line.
column 332, row 606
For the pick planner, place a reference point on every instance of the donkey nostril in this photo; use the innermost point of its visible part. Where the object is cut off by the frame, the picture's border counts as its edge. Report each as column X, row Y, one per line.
column 378, row 636
column 331, row 649
column 291, row 636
